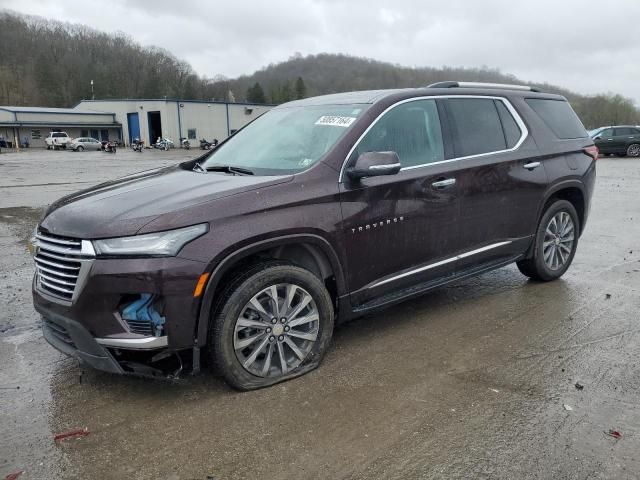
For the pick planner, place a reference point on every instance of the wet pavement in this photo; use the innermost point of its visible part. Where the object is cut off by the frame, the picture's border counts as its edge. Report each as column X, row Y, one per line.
column 476, row 380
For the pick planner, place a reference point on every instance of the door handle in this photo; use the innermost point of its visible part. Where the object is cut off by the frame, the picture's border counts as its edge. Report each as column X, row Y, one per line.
column 447, row 182
column 531, row 165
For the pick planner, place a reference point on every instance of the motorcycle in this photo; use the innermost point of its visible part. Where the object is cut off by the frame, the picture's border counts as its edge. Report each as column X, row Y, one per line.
column 163, row 144
column 137, row 145
column 205, row 145
column 110, row 147
column 184, row 143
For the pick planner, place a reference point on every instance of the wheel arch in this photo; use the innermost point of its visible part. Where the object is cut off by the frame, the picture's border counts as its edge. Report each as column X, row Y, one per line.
column 309, row 251
column 574, row 192
column 571, row 190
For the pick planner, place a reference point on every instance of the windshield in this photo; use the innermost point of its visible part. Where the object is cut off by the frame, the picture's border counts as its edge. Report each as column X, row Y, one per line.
column 286, row 140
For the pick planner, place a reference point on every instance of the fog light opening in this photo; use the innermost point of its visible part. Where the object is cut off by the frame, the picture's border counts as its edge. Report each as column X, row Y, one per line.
column 142, row 316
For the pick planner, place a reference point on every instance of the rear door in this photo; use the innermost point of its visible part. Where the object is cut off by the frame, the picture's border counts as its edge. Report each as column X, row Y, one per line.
column 399, row 230
column 500, row 181
column 623, row 137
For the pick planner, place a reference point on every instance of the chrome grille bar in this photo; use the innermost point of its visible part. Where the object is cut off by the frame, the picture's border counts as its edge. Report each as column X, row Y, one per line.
column 62, row 264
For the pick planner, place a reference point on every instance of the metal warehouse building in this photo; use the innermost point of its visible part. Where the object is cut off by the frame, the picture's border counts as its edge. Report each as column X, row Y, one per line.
column 128, row 119
column 192, row 119
column 33, row 124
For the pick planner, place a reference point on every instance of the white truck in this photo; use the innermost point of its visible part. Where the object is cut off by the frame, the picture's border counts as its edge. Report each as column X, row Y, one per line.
column 57, row 140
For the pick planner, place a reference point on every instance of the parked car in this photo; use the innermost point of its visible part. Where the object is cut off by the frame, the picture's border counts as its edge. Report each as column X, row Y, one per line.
column 57, row 140
column 321, row 210
column 85, row 143
column 619, row 140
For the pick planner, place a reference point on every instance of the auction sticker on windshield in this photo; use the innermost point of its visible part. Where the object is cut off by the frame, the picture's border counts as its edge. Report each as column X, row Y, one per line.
column 336, row 121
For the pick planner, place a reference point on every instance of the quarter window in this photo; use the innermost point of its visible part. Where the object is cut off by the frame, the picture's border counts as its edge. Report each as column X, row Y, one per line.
column 559, row 117
column 477, row 126
column 411, row 129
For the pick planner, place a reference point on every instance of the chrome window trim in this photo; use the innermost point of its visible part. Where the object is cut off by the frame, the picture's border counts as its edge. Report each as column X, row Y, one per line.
column 439, row 263
column 524, row 132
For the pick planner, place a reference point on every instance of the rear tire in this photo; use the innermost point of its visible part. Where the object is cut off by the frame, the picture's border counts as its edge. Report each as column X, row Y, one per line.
column 633, row 150
column 555, row 243
column 253, row 343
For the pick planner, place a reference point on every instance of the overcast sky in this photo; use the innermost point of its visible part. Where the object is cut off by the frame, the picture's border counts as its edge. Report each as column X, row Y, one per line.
column 584, row 45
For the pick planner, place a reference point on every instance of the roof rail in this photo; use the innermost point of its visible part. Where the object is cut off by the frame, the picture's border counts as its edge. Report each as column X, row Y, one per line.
column 503, row 86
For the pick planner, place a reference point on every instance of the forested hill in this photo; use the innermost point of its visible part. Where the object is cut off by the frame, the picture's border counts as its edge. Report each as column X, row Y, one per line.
column 48, row 63
column 331, row 73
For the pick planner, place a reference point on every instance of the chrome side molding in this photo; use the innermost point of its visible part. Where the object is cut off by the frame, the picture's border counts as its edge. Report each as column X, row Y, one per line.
column 440, row 263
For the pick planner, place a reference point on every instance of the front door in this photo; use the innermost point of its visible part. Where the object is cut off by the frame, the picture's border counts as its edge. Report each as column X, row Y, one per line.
column 605, row 142
column 399, row 229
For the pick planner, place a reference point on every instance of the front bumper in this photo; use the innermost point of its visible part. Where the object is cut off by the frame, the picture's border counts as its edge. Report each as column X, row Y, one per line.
column 109, row 284
column 73, row 339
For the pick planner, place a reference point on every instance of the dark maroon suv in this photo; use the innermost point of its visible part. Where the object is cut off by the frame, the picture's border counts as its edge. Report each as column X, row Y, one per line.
column 320, row 210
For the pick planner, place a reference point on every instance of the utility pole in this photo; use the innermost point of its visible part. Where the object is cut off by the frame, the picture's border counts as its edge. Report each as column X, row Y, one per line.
column 93, row 97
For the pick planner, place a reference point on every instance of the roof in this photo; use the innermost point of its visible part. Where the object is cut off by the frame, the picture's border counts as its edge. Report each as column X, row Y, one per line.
column 364, row 96
column 372, row 96
column 175, row 100
column 52, row 110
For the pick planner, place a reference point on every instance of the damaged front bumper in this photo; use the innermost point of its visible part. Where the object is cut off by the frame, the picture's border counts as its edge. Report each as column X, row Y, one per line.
column 113, row 355
column 135, row 317
column 73, row 339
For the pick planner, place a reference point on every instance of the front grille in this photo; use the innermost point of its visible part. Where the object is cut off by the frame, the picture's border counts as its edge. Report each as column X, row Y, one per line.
column 143, row 327
column 60, row 263
column 59, row 332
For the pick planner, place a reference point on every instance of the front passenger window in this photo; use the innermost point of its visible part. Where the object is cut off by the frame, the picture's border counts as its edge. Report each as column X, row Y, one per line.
column 412, row 130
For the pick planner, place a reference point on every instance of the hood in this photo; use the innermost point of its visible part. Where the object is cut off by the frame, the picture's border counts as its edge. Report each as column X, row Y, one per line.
column 122, row 207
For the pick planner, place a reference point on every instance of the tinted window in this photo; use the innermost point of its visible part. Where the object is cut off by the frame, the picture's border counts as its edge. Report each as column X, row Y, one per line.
column 412, row 130
column 608, row 133
column 512, row 132
column 559, row 117
column 623, row 131
column 477, row 125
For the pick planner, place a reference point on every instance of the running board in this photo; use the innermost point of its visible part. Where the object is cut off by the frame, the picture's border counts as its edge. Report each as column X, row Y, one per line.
column 422, row 288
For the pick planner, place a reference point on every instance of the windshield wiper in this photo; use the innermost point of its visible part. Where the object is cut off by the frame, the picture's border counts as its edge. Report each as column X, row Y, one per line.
column 199, row 168
column 228, row 169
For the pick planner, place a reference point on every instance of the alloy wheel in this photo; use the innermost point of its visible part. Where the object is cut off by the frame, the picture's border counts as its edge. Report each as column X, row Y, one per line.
column 633, row 150
column 559, row 238
column 276, row 330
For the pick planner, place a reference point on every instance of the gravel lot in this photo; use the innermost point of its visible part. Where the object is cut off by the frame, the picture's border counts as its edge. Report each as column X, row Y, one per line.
column 476, row 380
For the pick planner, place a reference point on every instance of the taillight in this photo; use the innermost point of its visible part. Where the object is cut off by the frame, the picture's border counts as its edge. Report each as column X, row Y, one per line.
column 592, row 151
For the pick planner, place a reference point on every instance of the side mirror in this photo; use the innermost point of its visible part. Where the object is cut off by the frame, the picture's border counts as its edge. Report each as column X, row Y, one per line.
column 373, row 164
column 598, row 138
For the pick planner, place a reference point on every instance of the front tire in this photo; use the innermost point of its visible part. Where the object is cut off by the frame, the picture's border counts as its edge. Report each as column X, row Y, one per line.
column 80, row 149
column 555, row 244
column 273, row 323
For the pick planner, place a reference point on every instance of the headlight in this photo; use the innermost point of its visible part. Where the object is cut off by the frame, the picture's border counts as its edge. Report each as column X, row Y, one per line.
column 165, row 244
column 32, row 244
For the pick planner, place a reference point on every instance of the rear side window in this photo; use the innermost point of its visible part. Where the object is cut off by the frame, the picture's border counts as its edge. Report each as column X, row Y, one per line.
column 625, row 131
column 412, row 130
column 477, row 126
column 512, row 132
column 559, row 117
